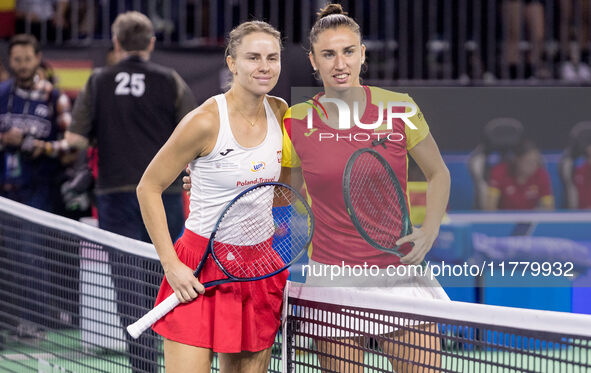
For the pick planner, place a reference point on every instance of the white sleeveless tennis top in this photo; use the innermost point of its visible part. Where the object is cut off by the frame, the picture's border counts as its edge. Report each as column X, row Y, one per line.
column 229, row 169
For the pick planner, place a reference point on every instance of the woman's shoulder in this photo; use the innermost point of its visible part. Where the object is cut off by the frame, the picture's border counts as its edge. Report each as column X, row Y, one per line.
column 381, row 94
column 277, row 104
column 205, row 117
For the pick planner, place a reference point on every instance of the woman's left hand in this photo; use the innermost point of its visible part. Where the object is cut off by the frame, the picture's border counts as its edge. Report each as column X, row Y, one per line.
column 422, row 240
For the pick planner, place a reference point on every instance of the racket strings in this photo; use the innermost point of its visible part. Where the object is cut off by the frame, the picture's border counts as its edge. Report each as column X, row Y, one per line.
column 376, row 201
column 264, row 231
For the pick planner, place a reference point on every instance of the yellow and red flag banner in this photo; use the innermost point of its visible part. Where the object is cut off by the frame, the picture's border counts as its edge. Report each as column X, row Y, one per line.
column 71, row 75
column 7, row 17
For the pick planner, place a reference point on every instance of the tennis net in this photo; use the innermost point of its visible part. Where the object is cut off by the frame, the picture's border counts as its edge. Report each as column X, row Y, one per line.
column 351, row 330
column 67, row 292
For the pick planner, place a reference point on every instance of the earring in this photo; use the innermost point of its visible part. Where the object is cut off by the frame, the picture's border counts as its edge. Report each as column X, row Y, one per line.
column 364, row 67
column 316, row 75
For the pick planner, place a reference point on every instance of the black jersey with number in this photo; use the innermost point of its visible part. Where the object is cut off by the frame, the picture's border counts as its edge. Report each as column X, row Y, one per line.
column 130, row 109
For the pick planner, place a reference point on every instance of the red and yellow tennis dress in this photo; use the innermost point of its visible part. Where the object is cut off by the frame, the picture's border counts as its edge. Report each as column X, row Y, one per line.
column 322, row 153
column 233, row 317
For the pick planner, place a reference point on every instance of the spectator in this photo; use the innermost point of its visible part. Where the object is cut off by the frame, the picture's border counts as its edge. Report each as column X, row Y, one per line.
column 582, row 181
column 579, row 141
column 139, row 107
column 41, row 17
column 514, row 13
column 33, row 118
column 521, row 183
column 574, row 40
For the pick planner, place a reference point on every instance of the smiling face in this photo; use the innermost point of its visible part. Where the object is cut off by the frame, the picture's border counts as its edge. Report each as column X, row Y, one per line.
column 338, row 55
column 24, row 63
column 257, row 63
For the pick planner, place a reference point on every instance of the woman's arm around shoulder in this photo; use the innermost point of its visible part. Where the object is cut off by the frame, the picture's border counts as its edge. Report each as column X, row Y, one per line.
column 279, row 107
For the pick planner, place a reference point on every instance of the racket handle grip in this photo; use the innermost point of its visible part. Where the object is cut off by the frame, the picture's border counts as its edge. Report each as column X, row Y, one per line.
column 146, row 321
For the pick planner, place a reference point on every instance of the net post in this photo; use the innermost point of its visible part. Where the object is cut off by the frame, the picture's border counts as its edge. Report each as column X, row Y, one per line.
column 285, row 329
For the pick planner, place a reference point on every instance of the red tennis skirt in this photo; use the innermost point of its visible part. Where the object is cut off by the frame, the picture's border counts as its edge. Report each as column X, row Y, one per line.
column 228, row 318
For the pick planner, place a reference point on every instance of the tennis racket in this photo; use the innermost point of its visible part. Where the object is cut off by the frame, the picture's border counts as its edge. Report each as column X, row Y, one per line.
column 375, row 200
column 261, row 232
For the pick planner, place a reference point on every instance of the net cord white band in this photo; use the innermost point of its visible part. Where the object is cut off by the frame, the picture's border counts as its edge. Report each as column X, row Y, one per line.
column 528, row 217
column 556, row 322
column 146, row 321
column 60, row 223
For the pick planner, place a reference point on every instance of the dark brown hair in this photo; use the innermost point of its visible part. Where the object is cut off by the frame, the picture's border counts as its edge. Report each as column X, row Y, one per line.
column 524, row 148
column 331, row 17
column 24, row 39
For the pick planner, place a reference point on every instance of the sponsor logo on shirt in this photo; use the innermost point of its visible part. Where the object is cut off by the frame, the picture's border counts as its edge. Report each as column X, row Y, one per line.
column 258, row 180
column 226, row 152
column 226, row 165
column 279, row 152
column 257, row 166
column 30, row 125
column 41, row 110
column 312, row 130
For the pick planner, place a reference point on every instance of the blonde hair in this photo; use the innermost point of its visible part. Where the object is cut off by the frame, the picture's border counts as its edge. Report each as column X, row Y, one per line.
column 246, row 28
column 239, row 32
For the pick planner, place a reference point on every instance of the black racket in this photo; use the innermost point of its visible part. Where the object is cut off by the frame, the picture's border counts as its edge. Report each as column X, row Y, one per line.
column 261, row 232
column 375, row 200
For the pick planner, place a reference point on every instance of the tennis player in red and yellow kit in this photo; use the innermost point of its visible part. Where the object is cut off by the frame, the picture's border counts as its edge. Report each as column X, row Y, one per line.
column 316, row 157
column 322, row 152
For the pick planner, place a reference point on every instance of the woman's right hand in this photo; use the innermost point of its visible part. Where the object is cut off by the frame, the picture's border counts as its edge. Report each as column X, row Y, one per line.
column 187, row 181
column 185, row 285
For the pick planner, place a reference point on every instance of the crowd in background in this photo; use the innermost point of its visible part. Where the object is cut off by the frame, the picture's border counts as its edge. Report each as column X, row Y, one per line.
column 468, row 41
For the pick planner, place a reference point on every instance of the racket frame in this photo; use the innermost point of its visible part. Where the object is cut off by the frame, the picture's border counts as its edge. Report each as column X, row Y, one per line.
column 406, row 223
column 217, row 224
column 146, row 321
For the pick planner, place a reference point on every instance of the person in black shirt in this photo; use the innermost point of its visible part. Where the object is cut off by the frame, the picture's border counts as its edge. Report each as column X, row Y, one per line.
column 129, row 110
